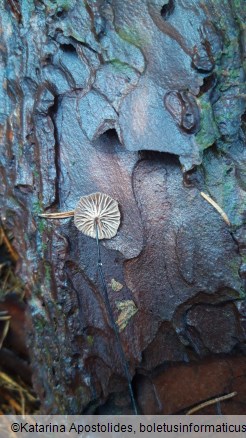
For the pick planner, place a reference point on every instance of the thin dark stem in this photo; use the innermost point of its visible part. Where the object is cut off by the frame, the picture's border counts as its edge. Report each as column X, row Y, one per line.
column 115, row 328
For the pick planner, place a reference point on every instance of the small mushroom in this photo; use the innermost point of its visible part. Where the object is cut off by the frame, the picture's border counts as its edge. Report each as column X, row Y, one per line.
column 99, row 209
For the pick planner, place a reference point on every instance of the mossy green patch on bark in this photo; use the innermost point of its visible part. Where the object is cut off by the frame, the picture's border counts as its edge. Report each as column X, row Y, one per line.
column 47, row 271
column 220, row 176
column 208, row 132
column 57, row 5
column 90, row 340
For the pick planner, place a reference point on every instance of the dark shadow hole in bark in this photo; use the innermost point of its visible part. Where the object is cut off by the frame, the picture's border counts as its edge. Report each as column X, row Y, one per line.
column 60, row 13
column 68, row 48
column 108, row 141
column 208, row 83
column 102, row 28
column 243, row 122
column 111, row 404
column 160, row 157
column 91, row 407
column 244, row 117
column 194, row 178
column 52, row 114
column 167, row 9
column 48, row 60
column 110, row 135
column 101, row 35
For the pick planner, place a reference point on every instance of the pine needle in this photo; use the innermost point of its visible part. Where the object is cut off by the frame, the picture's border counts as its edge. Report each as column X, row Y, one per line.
column 211, row 402
column 216, row 206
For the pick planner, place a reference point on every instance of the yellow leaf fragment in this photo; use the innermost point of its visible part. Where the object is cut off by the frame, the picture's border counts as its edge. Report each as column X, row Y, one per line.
column 115, row 285
column 127, row 310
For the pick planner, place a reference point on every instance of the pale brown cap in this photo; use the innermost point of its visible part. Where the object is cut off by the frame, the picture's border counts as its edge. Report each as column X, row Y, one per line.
column 97, row 208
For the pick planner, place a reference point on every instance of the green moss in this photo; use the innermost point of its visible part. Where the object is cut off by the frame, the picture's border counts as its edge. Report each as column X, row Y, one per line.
column 220, row 121
column 37, row 207
column 208, row 132
column 120, row 66
column 134, row 36
column 66, row 4
column 44, row 246
column 229, row 70
column 47, row 272
column 41, row 225
column 234, row 265
column 56, row 5
column 40, row 324
column 36, row 174
column 222, row 183
column 90, row 340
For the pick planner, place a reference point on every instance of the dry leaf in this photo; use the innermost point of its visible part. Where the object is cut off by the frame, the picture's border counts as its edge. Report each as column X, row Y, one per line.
column 115, row 285
column 127, row 310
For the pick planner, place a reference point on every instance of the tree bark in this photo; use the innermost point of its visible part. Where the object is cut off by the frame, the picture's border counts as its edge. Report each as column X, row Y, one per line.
column 143, row 101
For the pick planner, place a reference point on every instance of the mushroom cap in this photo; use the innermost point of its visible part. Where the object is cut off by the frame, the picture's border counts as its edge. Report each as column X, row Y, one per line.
column 97, row 208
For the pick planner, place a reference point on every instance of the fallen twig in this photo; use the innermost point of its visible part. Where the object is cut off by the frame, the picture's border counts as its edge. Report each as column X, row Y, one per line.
column 211, row 402
column 5, row 240
column 61, row 215
column 6, row 318
column 9, row 383
column 216, row 206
